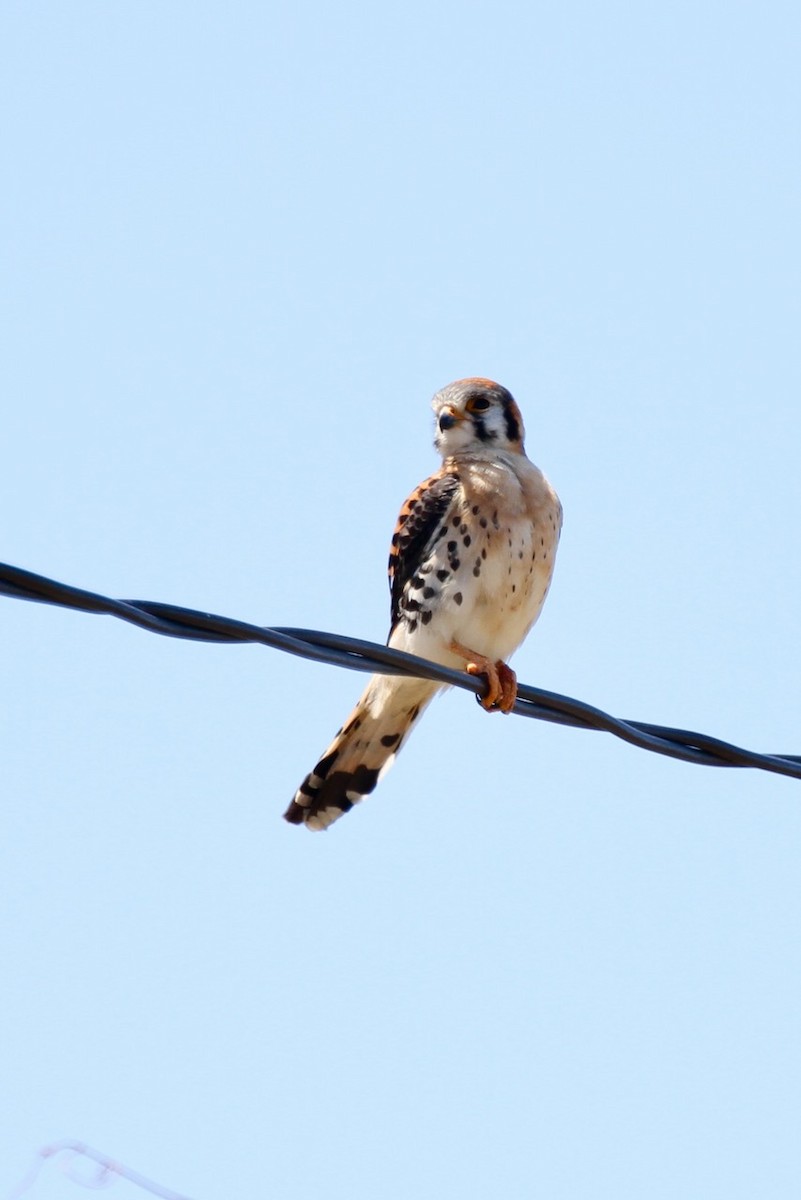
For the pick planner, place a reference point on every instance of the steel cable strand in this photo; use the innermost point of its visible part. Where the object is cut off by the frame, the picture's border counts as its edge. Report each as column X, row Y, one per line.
column 357, row 654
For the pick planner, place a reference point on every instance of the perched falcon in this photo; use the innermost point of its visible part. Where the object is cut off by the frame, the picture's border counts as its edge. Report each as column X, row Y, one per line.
column 470, row 566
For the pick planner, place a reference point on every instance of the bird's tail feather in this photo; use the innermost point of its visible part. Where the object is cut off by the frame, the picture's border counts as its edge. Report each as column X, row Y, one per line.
column 362, row 751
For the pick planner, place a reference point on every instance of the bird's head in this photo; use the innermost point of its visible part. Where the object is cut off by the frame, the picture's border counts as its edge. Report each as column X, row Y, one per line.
column 476, row 414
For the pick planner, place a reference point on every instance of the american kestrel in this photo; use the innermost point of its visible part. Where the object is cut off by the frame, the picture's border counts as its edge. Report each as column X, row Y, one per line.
column 470, row 566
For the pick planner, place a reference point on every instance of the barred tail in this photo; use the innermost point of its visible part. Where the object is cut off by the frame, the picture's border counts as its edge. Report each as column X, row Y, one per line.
column 362, row 751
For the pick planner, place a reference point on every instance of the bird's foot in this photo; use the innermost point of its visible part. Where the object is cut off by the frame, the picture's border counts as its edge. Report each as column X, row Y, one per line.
column 501, row 692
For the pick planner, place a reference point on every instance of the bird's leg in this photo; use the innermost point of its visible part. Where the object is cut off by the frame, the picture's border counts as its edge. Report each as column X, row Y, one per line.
column 501, row 692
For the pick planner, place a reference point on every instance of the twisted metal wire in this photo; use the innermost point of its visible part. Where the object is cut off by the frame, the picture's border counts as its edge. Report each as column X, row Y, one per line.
column 357, row 655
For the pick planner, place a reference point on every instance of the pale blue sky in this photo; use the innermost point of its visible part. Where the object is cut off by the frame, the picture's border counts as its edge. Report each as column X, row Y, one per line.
column 242, row 247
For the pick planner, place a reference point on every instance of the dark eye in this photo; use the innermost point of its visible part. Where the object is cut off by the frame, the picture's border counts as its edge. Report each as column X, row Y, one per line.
column 478, row 404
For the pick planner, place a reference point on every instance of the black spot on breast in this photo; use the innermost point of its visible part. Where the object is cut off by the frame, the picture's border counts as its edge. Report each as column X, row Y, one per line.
column 442, row 575
column 467, row 539
column 425, row 617
column 412, row 624
column 457, row 597
column 428, row 592
column 411, row 605
column 474, row 510
column 417, row 581
column 389, row 739
column 452, row 547
column 482, row 522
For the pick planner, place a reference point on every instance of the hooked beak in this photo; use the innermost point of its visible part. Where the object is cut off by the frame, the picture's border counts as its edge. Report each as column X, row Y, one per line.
column 448, row 418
